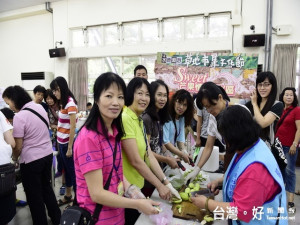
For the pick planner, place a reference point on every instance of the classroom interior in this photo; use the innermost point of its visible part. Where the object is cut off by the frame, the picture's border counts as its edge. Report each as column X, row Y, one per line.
column 118, row 35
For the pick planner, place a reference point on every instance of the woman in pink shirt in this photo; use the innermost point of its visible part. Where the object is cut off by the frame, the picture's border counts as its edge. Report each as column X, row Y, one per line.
column 93, row 156
column 34, row 150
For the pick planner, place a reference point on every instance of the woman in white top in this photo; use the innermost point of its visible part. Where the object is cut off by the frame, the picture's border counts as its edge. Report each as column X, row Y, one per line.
column 7, row 142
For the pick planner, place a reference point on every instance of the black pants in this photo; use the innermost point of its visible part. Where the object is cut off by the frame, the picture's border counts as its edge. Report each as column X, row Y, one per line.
column 36, row 180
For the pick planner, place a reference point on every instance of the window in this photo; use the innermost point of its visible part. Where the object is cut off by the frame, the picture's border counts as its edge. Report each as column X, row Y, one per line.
column 218, row 25
column 150, row 31
column 94, row 36
column 154, row 31
column 131, row 33
column 122, row 65
column 194, row 27
column 172, row 29
column 78, row 39
column 111, row 34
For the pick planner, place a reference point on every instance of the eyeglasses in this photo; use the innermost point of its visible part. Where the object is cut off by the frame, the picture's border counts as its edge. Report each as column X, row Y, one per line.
column 265, row 85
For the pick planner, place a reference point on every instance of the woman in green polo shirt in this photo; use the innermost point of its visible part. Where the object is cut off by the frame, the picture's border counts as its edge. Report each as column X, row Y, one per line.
column 139, row 162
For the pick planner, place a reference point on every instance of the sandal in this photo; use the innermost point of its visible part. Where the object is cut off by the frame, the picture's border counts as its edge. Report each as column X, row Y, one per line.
column 297, row 192
column 65, row 200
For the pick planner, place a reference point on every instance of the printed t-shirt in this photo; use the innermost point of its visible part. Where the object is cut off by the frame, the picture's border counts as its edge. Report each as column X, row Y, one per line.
column 134, row 129
column 63, row 127
column 205, row 117
column 5, row 151
column 154, row 129
column 35, row 134
column 169, row 131
column 287, row 130
column 92, row 152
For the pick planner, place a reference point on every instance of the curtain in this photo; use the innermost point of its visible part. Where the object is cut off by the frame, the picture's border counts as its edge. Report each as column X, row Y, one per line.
column 284, row 68
column 78, row 81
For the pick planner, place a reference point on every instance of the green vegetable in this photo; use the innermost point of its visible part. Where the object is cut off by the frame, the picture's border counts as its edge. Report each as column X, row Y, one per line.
column 191, row 185
column 184, row 196
column 208, row 218
column 187, row 190
column 176, row 200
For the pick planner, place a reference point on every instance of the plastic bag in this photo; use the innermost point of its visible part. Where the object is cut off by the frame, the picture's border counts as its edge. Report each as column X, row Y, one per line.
column 164, row 217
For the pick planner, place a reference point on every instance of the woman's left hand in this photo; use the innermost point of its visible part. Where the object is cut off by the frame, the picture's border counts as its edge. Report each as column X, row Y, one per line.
column 199, row 201
column 164, row 192
column 292, row 150
column 69, row 153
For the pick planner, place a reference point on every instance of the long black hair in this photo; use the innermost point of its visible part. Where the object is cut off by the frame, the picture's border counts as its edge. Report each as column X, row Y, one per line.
column 163, row 114
column 272, row 96
column 210, row 91
column 17, row 95
column 270, row 101
column 65, row 93
column 102, row 83
column 180, row 96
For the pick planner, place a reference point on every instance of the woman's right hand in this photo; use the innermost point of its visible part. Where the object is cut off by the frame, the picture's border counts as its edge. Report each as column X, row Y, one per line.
column 164, row 192
column 185, row 158
column 172, row 162
column 212, row 186
column 146, row 206
column 198, row 142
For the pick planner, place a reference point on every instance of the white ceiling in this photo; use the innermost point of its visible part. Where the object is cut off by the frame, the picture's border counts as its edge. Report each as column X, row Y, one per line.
column 7, row 5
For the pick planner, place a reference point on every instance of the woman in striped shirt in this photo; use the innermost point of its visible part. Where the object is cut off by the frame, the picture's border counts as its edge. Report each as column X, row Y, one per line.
column 66, row 132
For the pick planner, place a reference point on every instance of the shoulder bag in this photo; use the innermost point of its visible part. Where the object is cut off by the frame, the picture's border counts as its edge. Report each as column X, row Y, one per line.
column 277, row 149
column 76, row 215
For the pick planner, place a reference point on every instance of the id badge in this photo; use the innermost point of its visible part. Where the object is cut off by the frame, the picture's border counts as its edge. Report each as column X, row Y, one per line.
column 121, row 188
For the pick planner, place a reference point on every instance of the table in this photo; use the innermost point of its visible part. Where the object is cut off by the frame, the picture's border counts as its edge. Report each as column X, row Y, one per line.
column 145, row 220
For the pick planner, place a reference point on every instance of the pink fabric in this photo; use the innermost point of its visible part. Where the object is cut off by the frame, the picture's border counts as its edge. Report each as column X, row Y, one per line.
column 93, row 152
column 35, row 134
column 254, row 187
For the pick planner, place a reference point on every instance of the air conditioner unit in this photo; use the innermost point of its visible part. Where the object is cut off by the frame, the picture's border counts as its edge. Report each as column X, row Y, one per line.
column 31, row 79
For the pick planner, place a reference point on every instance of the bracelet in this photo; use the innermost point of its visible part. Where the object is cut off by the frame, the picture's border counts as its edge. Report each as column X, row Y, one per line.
column 163, row 180
column 295, row 144
column 206, row 205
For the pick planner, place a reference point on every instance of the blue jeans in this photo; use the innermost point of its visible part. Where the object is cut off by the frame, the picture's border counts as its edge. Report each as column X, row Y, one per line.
column 68, row 165
column 290, row 176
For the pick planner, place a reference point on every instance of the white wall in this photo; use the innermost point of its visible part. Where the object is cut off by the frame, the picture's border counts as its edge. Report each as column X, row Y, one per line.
column 37, row 30
column 24, row 45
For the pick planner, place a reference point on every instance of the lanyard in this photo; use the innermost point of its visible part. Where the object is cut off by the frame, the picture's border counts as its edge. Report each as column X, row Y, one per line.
column 176, row 135
column 159, row 133
column 116, row 149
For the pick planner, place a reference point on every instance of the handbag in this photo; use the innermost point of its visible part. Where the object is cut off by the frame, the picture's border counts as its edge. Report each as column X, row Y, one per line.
column 277, row 149
column 76, row 215
column 278, row 153
column 7, row 179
